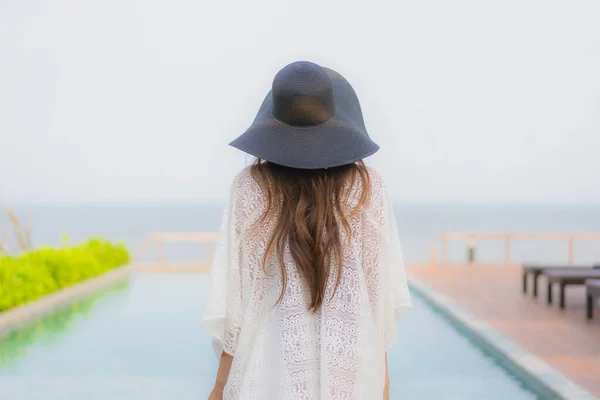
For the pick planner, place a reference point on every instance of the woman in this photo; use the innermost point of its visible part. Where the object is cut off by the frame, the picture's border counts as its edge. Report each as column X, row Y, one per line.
column 307, row 280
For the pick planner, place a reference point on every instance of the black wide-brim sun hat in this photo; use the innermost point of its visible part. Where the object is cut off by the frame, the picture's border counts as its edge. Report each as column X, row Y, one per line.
column 310, row 119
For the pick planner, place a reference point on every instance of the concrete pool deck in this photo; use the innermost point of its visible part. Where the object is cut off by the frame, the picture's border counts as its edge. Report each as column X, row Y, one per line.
column 491, row 294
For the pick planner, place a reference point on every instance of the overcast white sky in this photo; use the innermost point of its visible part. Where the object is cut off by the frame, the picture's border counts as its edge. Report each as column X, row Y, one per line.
column 482, row 101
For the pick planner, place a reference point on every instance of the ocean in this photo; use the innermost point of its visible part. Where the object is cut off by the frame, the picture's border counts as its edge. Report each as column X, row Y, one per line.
column 418, row 225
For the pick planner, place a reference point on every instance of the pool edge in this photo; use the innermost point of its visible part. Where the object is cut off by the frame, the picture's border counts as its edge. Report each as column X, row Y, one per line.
column 27, row 314
column 522, row 363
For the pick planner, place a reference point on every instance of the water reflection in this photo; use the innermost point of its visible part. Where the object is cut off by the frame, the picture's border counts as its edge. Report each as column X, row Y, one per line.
column 51, row 328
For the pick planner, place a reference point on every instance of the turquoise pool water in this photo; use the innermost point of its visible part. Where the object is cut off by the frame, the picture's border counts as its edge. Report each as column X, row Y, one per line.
column 142, row 340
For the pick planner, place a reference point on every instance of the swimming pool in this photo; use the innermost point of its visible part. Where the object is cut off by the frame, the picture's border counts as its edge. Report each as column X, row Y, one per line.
column 142, row 340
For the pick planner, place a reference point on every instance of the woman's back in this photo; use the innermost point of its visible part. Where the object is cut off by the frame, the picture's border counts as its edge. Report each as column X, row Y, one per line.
column 262, row 312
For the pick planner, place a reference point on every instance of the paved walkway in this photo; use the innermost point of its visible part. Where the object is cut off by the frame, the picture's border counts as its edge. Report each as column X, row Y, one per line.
column 562, row 338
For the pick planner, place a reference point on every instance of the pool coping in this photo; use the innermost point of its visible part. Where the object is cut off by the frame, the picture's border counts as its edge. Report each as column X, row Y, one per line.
column 26, row 314
column 527, row 366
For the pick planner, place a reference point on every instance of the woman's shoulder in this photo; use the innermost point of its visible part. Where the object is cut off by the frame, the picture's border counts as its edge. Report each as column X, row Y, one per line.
column 375, row 177
column 244, row 178
column 377, row 186
column 244, row 182
column 378, row 198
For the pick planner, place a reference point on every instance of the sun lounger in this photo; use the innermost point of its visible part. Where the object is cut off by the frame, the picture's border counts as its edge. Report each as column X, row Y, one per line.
column 535, row 270
column 567, row 276
column 592, row 287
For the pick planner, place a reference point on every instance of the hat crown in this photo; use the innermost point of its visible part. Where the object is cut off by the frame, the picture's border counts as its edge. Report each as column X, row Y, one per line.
column 303, row 95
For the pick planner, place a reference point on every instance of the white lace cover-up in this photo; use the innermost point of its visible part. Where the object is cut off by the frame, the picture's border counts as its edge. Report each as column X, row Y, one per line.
column 285, row 352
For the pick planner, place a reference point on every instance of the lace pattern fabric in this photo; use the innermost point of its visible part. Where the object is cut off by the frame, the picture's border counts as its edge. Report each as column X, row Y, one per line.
column 285, row 351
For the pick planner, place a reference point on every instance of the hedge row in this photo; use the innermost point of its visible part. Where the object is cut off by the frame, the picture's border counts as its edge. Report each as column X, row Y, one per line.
column 39, row 272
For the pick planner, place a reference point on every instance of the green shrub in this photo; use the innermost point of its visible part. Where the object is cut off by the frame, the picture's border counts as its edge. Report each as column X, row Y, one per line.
column 39, row 272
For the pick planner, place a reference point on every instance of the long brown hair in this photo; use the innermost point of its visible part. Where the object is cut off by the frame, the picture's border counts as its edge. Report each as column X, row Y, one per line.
column 310, row 208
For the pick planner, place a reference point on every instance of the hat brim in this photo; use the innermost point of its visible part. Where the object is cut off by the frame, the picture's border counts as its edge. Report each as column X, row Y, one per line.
column 334, row 143
column 341, row 140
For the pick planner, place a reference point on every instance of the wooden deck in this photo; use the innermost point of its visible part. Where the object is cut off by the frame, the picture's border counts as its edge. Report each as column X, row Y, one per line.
column 562, row 338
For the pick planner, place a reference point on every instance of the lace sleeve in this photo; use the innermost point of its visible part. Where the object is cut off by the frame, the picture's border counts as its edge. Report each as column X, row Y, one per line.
column 399, row 301
column 388, row 288
column 222, row 317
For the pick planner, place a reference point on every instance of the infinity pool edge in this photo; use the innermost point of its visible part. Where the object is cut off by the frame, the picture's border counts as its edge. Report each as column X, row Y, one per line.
column 524, row 364
column 27, row 314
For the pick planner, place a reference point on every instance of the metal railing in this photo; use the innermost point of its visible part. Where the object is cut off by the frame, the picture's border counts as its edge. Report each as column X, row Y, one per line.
column 509, row 237
column 158, row 241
